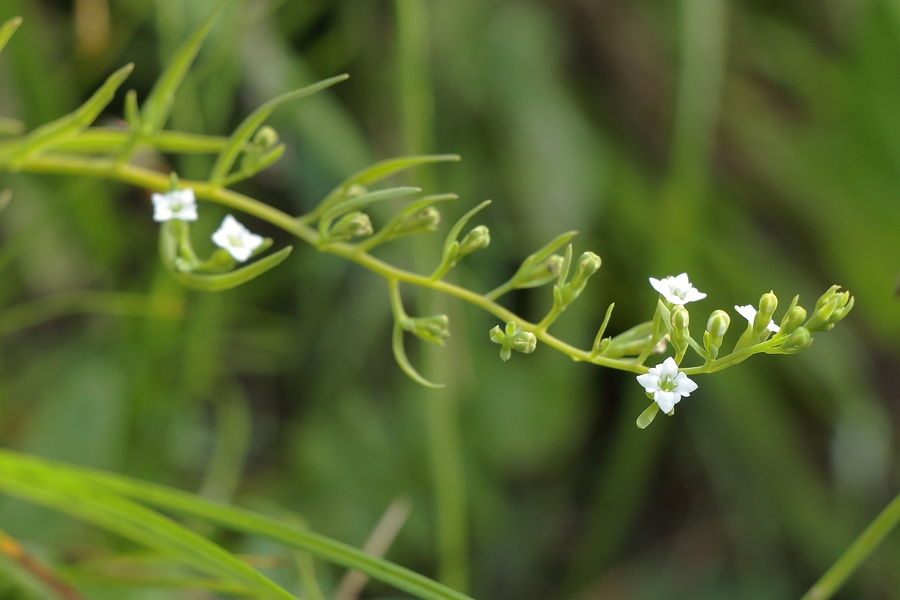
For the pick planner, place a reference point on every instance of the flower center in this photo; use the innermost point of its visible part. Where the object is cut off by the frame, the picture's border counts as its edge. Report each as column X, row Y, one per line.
column 667, row 383
column 176, row 206
column 236, row 241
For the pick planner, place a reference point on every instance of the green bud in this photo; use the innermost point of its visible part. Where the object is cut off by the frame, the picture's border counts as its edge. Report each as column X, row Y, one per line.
column 767, row 305
column 793, row 319
column 524, row 342
column 512, row 339
column 355, row 224
column 680, row 318
column 821, row 319
column 266, row 138
column 717, row 325
column 434, row 329
column 800, row 340
column 587, row 265
column 828, row 296
column 477, row 239
column 542, row 273
column 426, row 219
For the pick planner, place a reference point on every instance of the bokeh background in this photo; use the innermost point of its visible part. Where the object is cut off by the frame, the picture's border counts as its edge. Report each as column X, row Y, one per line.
column 753, row 144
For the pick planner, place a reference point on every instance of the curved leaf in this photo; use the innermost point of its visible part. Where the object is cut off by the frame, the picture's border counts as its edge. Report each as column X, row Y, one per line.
column 232, row 279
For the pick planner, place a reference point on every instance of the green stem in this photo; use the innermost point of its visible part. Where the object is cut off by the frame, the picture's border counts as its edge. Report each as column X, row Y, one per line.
column 835, row 577
column 159, row 182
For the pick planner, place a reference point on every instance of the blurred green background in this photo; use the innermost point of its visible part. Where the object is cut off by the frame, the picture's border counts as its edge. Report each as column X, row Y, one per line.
column 754, row 144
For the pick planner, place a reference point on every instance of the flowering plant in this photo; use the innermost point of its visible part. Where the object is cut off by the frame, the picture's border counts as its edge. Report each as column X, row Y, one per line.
column 340, row 225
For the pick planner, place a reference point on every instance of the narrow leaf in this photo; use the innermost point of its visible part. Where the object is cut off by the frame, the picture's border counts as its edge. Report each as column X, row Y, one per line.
column 246, row 521
column 599, row 338
column 253, row 122
column 232, row 279
column 159, row 102
column 52, row 134
column 374, row 174
column 403, row 361
column 647, row 416
column 359, row 202
column 72, row 495
column 7, row 30
column 457, row 228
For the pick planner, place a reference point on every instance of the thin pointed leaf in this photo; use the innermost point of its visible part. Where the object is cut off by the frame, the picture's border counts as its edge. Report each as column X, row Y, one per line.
column 599, row 339
column 52, row 134
column 159, row 102
column 72, row 495
column 374, row 174
column 554, row 245
column 457, row 228
column 385, row 233
column 248, row 522
column 7, row 30
column 361, row 202
column 264, row 162
column 403, row 361
column 253, row 122
column 232, row 279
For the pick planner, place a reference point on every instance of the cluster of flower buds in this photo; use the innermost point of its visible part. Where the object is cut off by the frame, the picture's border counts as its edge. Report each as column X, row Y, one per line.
column 666, row 384
column 434, row 329
column 513, row 339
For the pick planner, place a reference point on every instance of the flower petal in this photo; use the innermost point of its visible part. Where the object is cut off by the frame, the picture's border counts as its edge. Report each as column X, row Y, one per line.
column 747, row 311
column 668, row 368
column 666, row 400
column 684, row 385
column 649, row 382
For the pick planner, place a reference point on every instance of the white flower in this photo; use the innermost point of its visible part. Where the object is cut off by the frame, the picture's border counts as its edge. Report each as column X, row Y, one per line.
column 236, row 239
column 748, row 312
column 666, row 384
column 177, row 204
column 677, row 289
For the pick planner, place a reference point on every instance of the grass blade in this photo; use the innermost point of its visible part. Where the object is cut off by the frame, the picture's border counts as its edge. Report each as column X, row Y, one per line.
column 73, row 494
column 238, row 519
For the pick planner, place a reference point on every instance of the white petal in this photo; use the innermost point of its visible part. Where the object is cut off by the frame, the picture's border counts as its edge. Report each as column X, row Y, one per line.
column 236, row 239
column 649, row 382
column 660, row 286
column 747, row 311
column 773, row 327
column 673, row 299
column 668, row 368
column 693, row 294
column 681, row 281
column 666, row 400
column 684, row 385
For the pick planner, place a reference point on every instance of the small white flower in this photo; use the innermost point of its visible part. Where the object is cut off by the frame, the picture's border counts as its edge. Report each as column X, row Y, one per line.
column 666, row 384
column 177, row 204
column 677, row 289
column 236, row 239
column 748, row 312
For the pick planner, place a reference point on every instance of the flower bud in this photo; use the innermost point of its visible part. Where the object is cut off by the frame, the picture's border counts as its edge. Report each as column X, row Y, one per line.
column 542, row 273
column 355, row 224
column 477, row 239
column 799, row 340
column 821, row 319
column 587, row 265
column 793, row 319
column 266, row 138
column 426, row 219
column 680, row 319
column 718, row 324
column 767, row 305
column 524, row 342
column 512, row 339
column 434, row 329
